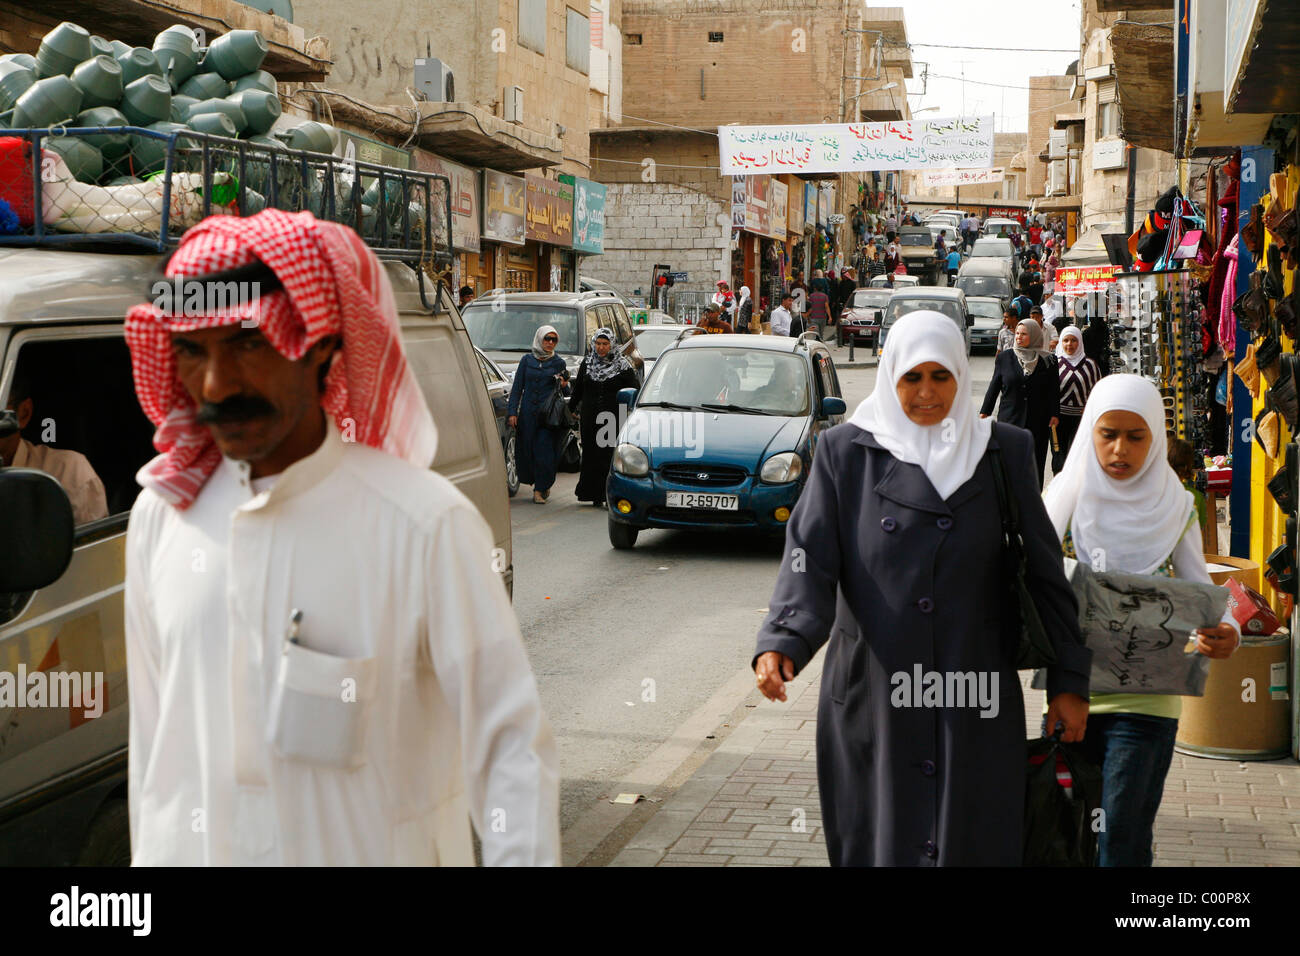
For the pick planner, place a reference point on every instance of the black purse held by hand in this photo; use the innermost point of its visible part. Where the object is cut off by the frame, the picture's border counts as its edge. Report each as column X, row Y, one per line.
column 555, row 410
column 1033, row 649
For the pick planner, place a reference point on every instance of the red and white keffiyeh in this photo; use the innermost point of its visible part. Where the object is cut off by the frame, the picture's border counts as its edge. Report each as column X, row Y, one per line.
column 333, row 285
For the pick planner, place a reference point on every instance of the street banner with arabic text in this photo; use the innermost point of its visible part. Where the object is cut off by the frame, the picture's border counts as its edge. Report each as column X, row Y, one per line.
column 961, row 177
column 849, row 147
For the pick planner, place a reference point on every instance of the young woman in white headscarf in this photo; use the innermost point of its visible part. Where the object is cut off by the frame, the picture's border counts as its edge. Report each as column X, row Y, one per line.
column 537, row 447
column 1026, row 389
column 894, row 554
column 744, row 310
column 595, row 401
column 1078, row 375
column 1117, row 501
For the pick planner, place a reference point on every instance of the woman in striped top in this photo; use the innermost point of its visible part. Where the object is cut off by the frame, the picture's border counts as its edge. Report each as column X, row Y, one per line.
column 1078, row 375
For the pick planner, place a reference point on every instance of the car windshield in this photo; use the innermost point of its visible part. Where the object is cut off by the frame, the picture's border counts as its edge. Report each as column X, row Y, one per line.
column 512, row 329
column 984, row 285
column 867, row 299
column 899, row 307
column 915, row 239
column 755, row 381
column 652, row 342
column 991, row 247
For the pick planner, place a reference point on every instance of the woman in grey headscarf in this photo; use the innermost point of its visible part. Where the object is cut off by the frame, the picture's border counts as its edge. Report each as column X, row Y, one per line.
column 595, row 400
column 1025, row 378
column 537, row 448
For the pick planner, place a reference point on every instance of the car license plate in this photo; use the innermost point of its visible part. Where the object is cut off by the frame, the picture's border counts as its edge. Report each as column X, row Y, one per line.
column 689, row 499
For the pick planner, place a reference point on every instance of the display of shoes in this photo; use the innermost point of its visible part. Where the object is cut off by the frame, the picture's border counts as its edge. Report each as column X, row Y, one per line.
column 1248, row 371
column 1267, row 431
column 1282, row 486
column 1252, row 234
column 1281, row 396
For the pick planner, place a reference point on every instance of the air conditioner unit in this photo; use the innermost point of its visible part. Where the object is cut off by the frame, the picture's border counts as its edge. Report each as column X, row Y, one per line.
column 1056, row 178
column 512, row 110
column 434, row 80
column 1056, row 144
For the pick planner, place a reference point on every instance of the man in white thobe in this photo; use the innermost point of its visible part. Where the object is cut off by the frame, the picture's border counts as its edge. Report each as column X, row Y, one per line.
column 324, row 667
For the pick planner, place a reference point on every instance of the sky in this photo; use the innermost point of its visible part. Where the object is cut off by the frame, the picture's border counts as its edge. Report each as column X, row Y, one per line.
column 1008, row 25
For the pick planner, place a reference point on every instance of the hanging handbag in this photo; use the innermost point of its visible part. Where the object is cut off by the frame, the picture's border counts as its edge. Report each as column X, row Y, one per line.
column 1062, row 797
column 555, row 411
column 1033, row 649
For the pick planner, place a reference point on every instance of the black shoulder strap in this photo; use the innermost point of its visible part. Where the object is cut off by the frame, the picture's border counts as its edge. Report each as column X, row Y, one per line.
column 1006, row 503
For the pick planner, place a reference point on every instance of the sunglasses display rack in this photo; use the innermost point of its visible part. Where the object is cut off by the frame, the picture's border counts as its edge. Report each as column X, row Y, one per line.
column 1156, row 333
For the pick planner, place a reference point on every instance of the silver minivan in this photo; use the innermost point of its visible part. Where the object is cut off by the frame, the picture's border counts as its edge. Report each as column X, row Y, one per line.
column 951, row 302
column 63, row 777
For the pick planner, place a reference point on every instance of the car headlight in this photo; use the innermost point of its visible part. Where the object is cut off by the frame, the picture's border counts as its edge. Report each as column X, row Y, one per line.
column 631, row 461
column 781, row 468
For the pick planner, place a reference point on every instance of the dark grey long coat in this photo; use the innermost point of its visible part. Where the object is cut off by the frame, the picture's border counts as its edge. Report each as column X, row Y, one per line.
column 895, row 577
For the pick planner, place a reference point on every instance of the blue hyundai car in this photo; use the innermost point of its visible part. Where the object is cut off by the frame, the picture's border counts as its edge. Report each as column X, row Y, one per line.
column 721, row 435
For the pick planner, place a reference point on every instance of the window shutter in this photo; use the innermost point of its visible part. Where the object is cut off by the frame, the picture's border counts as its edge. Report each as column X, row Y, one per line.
column 1106, row 92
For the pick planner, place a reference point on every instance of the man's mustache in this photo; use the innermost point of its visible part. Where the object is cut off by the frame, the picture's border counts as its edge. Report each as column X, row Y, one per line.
column 238, row 408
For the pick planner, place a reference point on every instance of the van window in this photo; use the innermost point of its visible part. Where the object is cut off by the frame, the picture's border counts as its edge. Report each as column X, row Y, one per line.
column 984, row 285
column 435, row 358
column 594, row 321
column 93, row 431
column 621, row 324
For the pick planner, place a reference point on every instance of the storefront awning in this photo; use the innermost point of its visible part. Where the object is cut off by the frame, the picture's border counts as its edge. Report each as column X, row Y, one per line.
column 1089, row 249
column 1269, row 78
column 1059, row 204
column 1144, row 80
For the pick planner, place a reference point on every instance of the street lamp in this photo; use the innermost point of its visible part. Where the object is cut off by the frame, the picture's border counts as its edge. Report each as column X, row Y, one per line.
column 879, row 89
column 928, row 109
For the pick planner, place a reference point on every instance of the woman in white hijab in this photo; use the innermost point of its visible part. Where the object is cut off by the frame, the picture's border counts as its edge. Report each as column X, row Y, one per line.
column 1118, row 506
column 1026, row 389
column 744, row 310
column 1078, row 375
column 894, row 553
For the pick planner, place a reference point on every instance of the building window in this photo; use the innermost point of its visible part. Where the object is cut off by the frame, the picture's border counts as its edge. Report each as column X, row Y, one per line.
column 715, row 37
column 1009, row 188
column 532, row 25
column 633, row 39
column 1107, row 120
column 577, row 42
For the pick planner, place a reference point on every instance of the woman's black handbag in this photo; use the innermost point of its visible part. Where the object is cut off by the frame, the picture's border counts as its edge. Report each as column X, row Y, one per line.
column 1033, row 649
column 555, row 410
column 1060, row 827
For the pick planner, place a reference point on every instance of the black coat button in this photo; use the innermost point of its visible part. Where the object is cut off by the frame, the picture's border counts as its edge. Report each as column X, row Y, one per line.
column 888, row 524
column 925, row 605
column 927, row 767
column 944, row 524
column 931, row 850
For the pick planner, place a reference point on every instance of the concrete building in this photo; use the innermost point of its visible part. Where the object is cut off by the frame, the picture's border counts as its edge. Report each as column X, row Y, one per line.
column 1048, row 95
column 528, row 80
column 689, row 69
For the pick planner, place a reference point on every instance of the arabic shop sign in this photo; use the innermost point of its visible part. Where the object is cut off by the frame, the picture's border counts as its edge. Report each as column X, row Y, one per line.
column 503, row 207
column 794, row 218
column 850, row 147
column 777, row 206
column 550, row 211
column 961, row 177
column 465, row 193
column 756, row 211
column 1078, row 280
column 588, row 214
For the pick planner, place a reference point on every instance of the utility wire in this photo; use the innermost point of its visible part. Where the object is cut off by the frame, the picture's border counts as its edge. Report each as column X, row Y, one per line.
column 998, row 49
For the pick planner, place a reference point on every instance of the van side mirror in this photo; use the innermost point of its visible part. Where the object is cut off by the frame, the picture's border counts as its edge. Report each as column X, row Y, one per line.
column 626, row 396
column 35, row 530
column 833, row 406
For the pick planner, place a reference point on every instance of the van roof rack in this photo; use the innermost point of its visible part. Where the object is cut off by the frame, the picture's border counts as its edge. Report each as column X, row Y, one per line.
column 689, row 330
column 402, row 214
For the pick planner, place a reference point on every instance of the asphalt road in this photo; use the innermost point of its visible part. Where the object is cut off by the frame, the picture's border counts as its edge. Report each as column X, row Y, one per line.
column 626, row 645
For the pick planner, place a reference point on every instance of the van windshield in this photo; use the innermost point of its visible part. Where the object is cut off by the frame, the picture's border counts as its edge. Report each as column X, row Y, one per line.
column 984, row 285
column 915, row 239
column 512, row 330
column 899, row 307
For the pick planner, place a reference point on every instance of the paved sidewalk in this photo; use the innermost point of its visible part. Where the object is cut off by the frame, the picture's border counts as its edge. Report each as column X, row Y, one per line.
column 754, row 801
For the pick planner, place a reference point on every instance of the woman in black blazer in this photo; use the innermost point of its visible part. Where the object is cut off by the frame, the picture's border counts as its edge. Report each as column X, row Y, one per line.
column 1026, row 379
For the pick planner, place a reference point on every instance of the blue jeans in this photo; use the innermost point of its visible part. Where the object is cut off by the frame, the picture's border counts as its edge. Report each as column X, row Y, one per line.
column 1134, row 752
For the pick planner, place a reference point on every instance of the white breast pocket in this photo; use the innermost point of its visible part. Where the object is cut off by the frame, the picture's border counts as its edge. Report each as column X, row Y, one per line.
column 320, row 708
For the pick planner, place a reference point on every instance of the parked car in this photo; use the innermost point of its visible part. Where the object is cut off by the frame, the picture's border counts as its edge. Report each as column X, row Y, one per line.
column 498, row 388
column 986, row 311
column 987, row 276
column 504, row 327
column 995, row 248
column 63, row 783
column 722, row 435
column 916, row 246
column 900, row 282
column 950, row 301
column 651, row 340
column 861, row 316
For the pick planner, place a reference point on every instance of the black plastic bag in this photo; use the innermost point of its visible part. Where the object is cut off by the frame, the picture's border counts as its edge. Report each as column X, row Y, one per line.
column 1059, row 825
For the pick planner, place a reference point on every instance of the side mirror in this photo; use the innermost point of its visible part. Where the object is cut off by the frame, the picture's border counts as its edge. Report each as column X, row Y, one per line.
column 833, row 406
column 35, row 530
column 626, row 396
